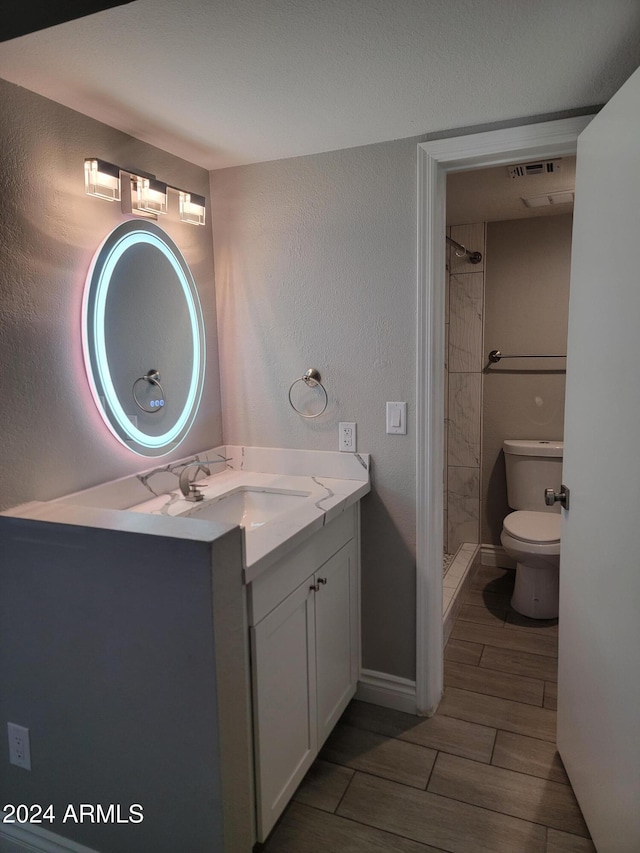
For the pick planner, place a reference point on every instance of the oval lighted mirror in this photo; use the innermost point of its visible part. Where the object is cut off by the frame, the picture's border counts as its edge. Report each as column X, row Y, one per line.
column 143, row 338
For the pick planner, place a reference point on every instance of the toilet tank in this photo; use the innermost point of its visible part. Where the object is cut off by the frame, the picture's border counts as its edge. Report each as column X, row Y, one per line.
column 532, row 467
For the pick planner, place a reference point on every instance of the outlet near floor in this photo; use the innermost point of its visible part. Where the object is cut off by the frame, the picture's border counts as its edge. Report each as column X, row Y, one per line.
column 19, row 746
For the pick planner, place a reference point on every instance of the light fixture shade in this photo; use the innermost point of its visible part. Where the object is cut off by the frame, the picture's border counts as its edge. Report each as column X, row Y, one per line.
column 152, row 196
column 101, row 179
column 192, row 208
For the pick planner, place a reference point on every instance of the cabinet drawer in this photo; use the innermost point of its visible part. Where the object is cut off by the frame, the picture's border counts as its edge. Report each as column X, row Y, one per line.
column 268, row 590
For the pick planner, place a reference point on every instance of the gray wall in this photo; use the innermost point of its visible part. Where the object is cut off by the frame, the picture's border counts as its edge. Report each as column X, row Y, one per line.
column 107, row 656
column 315, row 267
column 53, row 439
column 526, row 311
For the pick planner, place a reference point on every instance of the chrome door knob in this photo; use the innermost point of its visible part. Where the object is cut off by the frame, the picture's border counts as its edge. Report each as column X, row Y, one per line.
column 551, row 497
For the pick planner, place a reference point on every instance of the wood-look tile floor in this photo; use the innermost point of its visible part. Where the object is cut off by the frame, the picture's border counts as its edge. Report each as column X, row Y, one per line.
column 483, row 774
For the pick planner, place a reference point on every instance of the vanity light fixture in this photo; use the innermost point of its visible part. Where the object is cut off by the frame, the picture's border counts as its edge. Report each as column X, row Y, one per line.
column 153, row 196
column 192, row 208
column 101, row 179
column 144, row 195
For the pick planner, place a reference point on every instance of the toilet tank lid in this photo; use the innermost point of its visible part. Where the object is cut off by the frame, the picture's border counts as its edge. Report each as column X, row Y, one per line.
column 531, row 447
column 540, row 527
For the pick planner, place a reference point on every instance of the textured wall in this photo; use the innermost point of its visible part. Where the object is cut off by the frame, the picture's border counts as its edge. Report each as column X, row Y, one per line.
column 315, row 267
column 53, row 439
column 526, row 311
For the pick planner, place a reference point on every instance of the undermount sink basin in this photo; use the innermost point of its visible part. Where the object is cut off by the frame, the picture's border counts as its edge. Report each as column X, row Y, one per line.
column 249, row 507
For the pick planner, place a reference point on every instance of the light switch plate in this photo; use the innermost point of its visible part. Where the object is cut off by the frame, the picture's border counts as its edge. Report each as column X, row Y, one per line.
column 397, row 418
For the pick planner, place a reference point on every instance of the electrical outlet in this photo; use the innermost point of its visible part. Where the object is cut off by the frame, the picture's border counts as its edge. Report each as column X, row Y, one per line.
column 19, row 746
column 347, row 436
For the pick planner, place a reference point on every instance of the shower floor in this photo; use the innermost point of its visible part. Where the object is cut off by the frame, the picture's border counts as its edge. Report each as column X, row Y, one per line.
column 459, row 569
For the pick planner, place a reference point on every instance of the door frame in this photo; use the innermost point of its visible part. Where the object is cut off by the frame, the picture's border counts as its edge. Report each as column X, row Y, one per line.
column 435, row 160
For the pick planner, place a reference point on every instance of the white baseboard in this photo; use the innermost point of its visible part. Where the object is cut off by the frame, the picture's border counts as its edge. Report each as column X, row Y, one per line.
column 389, row 691
column 27, row 838
column 495, row 555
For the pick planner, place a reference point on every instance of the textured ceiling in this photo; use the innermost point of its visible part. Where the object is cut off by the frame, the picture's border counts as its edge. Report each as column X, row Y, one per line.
column 224, row 82
column 490, row 195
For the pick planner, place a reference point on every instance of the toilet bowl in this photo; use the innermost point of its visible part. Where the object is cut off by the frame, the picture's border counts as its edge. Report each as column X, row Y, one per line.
column 531, row 534
column 532, row 539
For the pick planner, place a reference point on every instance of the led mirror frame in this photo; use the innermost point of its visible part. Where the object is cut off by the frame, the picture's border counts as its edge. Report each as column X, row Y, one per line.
column 115, row 244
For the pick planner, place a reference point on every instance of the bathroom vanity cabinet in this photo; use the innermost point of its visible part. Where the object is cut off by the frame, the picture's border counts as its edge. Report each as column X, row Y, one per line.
column 304, row 632
column 268, row 617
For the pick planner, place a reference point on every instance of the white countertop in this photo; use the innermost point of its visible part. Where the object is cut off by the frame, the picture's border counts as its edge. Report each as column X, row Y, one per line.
column 327, row 498
column 331, row 481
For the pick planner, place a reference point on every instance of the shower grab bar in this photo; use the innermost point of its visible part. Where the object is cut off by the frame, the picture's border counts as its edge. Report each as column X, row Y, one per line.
column 474, row 257
column 495, row 355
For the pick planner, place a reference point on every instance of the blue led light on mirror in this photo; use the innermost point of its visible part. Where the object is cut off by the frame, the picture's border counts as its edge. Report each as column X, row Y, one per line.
column 136, row 270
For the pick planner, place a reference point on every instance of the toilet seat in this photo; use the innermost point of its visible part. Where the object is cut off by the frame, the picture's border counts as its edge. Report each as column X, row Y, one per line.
column 536, row 527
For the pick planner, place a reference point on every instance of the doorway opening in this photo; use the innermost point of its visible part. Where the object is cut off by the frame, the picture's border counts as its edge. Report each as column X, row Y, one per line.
column 436, row 160
column 507, row 293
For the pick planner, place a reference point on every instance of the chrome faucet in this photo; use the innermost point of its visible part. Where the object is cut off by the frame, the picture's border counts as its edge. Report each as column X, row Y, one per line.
column 190, row 490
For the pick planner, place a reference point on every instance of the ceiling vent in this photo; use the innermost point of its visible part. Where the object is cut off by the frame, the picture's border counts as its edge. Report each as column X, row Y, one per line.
column 562, row 197
column 540, row 167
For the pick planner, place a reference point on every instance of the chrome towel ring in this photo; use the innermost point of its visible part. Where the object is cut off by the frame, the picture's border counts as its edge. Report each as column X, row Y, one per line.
column 153, row 377
column 312, row 380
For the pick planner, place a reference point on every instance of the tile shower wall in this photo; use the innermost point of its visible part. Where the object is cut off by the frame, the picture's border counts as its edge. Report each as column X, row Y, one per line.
column 463, row 389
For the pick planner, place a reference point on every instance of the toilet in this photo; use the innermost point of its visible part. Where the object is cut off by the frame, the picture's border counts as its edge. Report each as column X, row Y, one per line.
column 531, row 534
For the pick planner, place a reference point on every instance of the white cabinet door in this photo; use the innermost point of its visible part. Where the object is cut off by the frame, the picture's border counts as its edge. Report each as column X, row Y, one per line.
column 336, row 637
column 285, row 720
column 305, row 665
